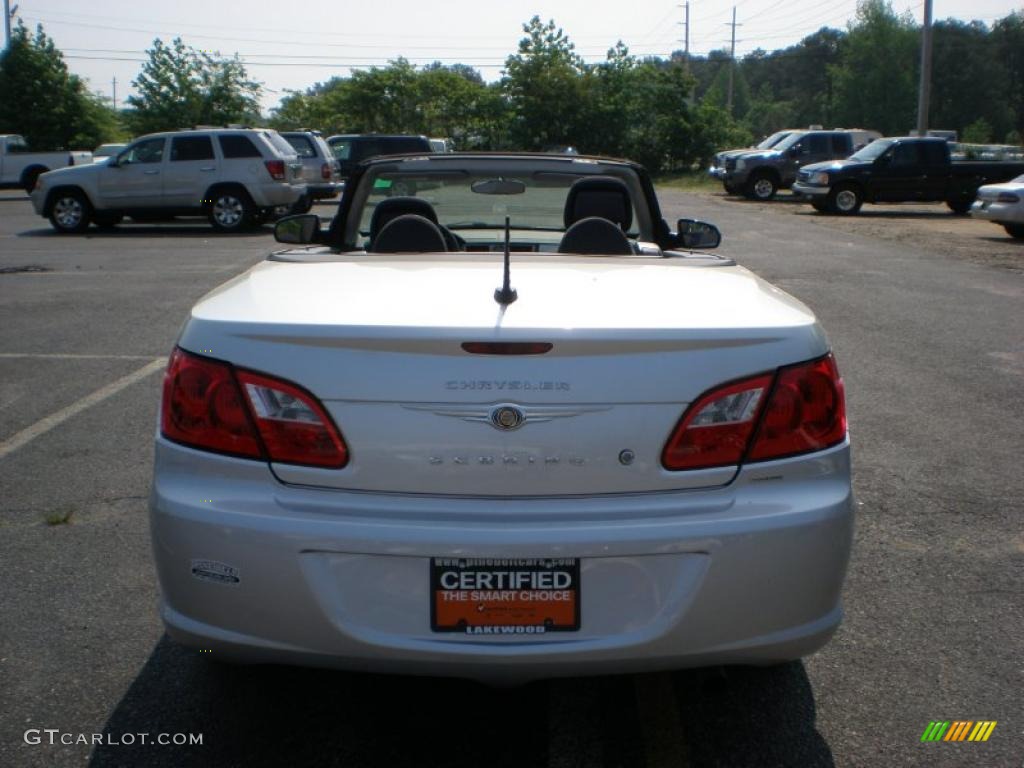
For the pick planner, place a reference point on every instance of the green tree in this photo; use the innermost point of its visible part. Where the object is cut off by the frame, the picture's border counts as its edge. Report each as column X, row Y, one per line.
column 44, row 102
column 180, row 86
column 437, row 100
column 456, row 103
column 978, row 132
column 663, row 134
column 718, row 92
column 876, row 79
column 1008, row 47
column 968, row 82
column 546, row 88
column 314, row 108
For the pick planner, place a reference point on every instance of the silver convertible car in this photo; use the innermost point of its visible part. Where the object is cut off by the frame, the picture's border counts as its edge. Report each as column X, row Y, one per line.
column 501, row 421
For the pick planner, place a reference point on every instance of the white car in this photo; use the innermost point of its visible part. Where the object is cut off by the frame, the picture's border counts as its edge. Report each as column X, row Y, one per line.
column 1002, row 204
column 511, row 428
column 234, row 177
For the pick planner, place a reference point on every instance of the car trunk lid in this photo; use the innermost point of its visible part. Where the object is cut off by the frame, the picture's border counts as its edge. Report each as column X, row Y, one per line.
column 381, row 343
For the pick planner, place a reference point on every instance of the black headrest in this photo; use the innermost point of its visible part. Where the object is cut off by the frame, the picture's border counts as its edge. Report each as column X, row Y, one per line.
column 602, row 196
column 595, row 236
column 393, row 207
column 408, row 234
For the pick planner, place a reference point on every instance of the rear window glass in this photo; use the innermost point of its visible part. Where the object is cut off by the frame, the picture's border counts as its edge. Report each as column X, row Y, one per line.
column 302, row 145
column 185, row 148
column 277, row 142
column 237, row 146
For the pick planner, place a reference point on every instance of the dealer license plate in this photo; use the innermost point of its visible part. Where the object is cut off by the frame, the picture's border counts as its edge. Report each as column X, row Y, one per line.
column 485, row 596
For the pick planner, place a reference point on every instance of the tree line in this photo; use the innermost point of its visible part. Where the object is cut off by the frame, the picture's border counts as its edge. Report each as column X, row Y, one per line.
column 667, row 113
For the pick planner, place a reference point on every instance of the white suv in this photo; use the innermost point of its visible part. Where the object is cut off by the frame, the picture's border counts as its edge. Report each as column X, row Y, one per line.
column 235, row 176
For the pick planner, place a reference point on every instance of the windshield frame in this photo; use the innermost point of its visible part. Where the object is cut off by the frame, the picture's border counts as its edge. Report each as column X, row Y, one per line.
column 776, row 138
column 872, row 151
column 344, row 234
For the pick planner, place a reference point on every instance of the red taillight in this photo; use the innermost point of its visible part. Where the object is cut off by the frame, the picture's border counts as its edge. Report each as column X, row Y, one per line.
column 294, row 426
column 1008, row 197
column 716, row 429
column 276, row 168
column 203, row 407
column 805, row 411
column 207, row 404
column 325, row 171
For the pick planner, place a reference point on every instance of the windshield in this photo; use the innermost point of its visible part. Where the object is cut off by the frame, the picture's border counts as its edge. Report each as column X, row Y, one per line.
column 788, row 142
column 774, row 139
column 872, row 151
column 538, row 204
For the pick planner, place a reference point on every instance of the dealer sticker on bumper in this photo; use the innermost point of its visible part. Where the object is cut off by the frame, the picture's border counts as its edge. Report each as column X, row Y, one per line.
column 505, row 596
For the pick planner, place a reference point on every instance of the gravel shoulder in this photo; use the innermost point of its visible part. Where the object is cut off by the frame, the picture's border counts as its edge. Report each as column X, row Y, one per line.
column 928, row 226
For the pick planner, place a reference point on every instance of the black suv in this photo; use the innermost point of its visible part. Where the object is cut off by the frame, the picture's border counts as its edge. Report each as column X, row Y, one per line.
column 351, row 149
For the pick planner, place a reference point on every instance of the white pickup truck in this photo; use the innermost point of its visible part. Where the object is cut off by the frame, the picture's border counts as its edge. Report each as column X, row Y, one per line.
column 20, row 168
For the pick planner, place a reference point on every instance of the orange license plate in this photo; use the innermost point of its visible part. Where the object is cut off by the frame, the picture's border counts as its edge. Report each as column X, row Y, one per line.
column 498, row 596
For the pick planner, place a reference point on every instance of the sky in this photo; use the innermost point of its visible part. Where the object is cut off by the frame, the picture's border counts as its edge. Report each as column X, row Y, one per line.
column 292, row 45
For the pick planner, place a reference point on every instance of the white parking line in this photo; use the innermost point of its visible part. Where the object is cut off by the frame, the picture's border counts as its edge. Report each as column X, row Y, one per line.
column 56, row 419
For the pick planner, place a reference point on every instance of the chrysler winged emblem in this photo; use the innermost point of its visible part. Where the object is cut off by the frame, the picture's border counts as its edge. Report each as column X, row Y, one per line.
column 507, row 416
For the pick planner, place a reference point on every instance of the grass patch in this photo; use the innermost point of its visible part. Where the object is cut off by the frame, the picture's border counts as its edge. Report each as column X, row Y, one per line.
column 694, row 181
column 59, row 516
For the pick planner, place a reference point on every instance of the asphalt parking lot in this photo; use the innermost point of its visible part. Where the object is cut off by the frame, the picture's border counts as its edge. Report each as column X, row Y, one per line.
column 929, row 338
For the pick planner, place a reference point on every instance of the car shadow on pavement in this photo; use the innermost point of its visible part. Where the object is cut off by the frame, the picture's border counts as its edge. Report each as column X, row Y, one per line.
column 751, row 716
column 1006, row 240
column 750, row 201
column 275, row 716
column 939, row 213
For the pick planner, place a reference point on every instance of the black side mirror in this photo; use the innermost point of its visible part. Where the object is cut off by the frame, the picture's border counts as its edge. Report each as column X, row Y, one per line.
column 885, row 159
column 299, row 230
column 698, row 234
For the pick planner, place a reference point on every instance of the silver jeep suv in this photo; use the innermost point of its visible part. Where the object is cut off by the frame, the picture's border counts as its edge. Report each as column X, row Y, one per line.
column 235, row 177
column 321, row 169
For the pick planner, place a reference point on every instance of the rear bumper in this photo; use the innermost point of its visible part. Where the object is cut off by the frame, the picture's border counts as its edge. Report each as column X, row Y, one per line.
column 1001, row 213
column 749, row 573
column 38, row 197
column 325, row 190
column 279, row 193
column 811, row 191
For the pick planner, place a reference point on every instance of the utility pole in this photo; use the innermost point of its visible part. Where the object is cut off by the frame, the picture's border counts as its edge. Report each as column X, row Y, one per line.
column 924, row 93
column 113, row 84
column 686, row 35
column 732, row 57
column 7, row 24
column 686, row 43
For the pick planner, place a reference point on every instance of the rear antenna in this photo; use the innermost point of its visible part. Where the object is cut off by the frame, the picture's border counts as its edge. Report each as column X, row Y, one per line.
column 506, row 294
